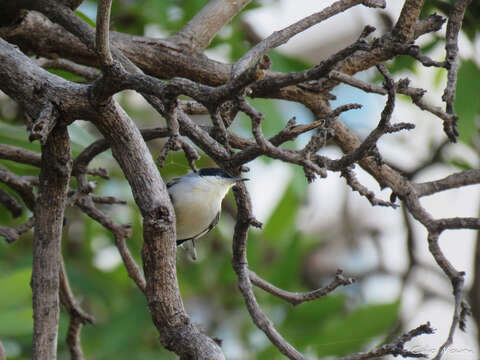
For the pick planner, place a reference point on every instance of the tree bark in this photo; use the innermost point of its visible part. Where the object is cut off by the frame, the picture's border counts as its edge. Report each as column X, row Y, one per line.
column 49, row 209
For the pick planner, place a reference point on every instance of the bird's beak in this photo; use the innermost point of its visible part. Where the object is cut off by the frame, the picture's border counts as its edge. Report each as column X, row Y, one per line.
column 239, row 179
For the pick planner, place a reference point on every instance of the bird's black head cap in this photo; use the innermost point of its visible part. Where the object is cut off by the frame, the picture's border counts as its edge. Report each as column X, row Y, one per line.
column 214, row 172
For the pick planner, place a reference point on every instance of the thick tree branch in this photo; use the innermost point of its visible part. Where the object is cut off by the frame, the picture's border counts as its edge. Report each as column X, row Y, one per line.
column 404, row 29
column 49, row 209
column 197, row 34
column 102, row 38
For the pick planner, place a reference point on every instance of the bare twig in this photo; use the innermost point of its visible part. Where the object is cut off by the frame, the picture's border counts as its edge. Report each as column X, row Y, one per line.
column 10, row 203
column 454, row 24
column 460, row 179
column 12, row 234
column 457, row 279
column 353, row 182
column 396, row 347
column 240, row 264
column 282, row 36
column 90, row 74
column 78, row 317
column 296, row 298
column 23, row 187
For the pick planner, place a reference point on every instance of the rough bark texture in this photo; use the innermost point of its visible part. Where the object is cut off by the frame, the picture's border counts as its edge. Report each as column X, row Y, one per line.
column 52, row 193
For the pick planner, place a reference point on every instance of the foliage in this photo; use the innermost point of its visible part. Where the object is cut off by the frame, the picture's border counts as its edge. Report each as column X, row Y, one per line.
column 124, row 329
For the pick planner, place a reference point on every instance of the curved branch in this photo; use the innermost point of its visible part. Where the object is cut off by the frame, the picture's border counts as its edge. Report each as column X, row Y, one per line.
column 282, row 36
column 239, row 263
column 296, row 298
column 78, row 317
column 197, row 34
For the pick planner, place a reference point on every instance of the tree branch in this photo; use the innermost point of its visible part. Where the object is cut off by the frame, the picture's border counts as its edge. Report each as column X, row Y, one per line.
column 49, row 210
column 282, row 36
column 296, row 298
column 12, row 234
column 102, row 38
column 197, row 34
column 78, row 317
column 454, row 25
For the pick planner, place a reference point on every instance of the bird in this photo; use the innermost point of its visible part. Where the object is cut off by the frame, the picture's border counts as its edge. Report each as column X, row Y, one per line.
column 197, row 199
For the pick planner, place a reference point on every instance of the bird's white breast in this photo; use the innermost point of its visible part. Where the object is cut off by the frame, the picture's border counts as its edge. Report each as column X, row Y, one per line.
column 196, row 203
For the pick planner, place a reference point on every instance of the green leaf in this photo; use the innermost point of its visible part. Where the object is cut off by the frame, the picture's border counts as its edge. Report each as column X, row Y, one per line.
column 285, row 63
column 282, row 221
column 67, row 75
column 15, row 289
column 304, row 322
column 16, row 322
column 85, row 18
column 467, row 104
column 345, row 334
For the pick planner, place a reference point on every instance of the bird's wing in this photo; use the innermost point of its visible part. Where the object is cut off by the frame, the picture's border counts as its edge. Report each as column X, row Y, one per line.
column 204, row 232
column 173, row 182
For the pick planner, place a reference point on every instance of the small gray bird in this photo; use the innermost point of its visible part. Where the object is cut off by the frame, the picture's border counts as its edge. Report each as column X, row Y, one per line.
column 197, row 200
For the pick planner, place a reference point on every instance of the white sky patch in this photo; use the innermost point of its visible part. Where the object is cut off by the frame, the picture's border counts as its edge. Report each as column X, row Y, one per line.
column 107, row 258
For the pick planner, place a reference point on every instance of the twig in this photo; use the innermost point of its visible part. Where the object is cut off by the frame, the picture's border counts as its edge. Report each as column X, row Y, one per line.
column 120, row 233
column 90, row 74
column 454, row 24
column 239, row 263
column 20, row 185
column 457, row 279
column 277, row 81
column 78, row 317
column 402, row 87
column 12, row 234
column 10, row 203
column 282, row 36
column 107, row 200
column 382, row 128
column 296, row 298
column 460, row 179
column 353, row 182
column 396, row 347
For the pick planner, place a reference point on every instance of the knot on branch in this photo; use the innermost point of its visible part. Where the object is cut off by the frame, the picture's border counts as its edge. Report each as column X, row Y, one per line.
column 42, row 126
column 342, row 280
column 158, row 219
column 254, row 222
column 464, row 312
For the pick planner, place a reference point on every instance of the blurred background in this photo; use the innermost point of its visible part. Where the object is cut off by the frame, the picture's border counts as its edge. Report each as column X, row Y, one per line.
column 309, row 230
